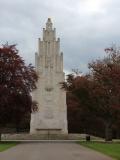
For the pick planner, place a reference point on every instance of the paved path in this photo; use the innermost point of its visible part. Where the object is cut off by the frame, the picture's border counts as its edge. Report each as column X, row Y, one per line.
column 51, row 151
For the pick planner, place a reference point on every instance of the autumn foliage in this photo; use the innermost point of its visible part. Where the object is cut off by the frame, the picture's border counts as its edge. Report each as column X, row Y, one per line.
column 17, row 81
column 96, row 96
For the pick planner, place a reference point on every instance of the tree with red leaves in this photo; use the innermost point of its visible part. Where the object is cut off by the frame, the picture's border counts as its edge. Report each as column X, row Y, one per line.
column 17, row 81
column 96, row 97
column 80, row 103
column 106, row 76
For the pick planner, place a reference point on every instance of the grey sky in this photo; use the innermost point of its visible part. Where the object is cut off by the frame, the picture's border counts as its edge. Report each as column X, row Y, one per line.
column 85, row 27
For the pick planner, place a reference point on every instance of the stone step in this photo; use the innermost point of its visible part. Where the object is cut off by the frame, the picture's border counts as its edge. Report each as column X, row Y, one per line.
column 42, row 136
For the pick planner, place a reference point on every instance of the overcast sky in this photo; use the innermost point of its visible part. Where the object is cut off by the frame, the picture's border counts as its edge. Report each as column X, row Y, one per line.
column 85, row 27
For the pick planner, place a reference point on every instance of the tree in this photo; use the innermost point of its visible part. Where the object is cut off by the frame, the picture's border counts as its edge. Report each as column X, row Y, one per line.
column 95, row 98
column 106, row 76
column 80, row 104
column 17, row 81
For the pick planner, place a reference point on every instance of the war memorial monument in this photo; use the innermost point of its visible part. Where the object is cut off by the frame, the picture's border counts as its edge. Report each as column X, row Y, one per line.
column 52, row 110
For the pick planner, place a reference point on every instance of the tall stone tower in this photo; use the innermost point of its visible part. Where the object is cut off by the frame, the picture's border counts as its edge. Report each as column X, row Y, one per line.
column 52, row 111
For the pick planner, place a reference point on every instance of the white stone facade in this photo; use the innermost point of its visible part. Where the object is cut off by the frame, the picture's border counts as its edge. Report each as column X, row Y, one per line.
column 52, row 111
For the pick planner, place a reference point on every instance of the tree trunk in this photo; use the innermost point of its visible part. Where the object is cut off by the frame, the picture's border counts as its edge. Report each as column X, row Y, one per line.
column 17, row 125
column 0, row 136
column 108, row 132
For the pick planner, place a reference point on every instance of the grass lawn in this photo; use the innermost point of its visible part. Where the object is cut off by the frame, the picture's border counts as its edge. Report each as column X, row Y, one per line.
column 110, row 149
column 6, row 145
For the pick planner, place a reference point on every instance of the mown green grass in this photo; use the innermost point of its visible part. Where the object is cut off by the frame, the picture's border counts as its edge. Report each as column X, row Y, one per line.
column 110, row 149
column 6, row 145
